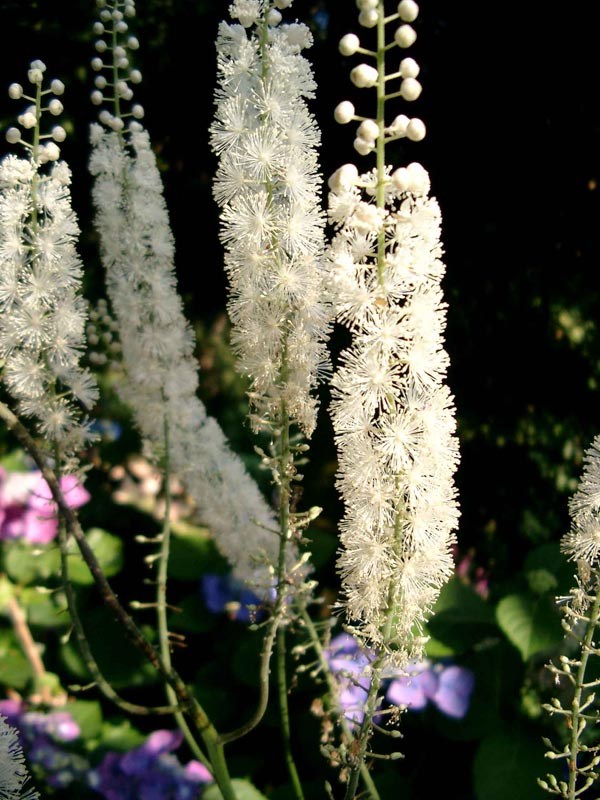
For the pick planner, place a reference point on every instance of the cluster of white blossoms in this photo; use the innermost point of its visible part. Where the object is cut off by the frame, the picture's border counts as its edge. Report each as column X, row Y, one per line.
column 42, row 313
column 272, row 227
column 582, row 542
column 157, row 343
column 392, row 414
column 13, row 770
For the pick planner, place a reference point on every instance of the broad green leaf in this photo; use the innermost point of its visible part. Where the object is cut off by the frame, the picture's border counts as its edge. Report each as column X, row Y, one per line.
column 107, row 548
column 7, row 590
column 120, row 736
column 461, row 619
column 532, row 624
column 15, row 670
column 44, row 610
column 192, row 553
column 243, row 789
column 507, row 765
column 88, row 715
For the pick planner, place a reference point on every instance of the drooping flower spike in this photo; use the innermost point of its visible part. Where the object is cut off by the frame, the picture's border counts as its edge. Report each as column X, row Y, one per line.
column 42, row 313
column 392, row 414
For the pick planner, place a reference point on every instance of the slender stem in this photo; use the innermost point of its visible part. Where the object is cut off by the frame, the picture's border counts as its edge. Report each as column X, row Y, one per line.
column 576, row 703
column 285, row 715
column 333, row 691
column 186, row 700
column 161, row 602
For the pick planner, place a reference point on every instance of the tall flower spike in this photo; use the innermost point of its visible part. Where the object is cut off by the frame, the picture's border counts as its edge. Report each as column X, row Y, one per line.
column 157, row 343
column 268, row 186
column 392, row 414
column 13, row 771
column 42, row 313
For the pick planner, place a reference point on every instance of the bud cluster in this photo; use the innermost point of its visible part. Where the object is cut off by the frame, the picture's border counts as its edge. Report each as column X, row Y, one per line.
column 115, row 75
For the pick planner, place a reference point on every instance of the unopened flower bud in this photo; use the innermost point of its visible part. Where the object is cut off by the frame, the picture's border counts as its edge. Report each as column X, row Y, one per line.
column 122, row 63
column 135, row 76
column 363, row 146
column 349, row 44
column 97, row 64
column 101, row 46
column 399, row 126
column 15, row 90
column 28, row 120
column 13, row 135
column 366, row 5
column 405, row 36
column 59, row 134
column 133, row 43
column 408, row 10
column 410, row 89
column 127, row 94
column 116, row 123
column 368, row 19
column 364, row 76
column 98, row 28
column 57, row 87
column 129, row 10
column 274, row 17
column 105, row 15
column 97, row 97
column 419, row 183
column 344, row 112
column 100, row 81
column 137, row 111
column 121, row 88
column 401, row 179
column 52, row 151
column 35, row 75
column 416, row 130
column 117, row 15
column 119, row 52
column 409, row 68
column 37, row 64
column 55, row 107
column 368, row 130
column 121, row 26
column 105, row 116
column 343, row 179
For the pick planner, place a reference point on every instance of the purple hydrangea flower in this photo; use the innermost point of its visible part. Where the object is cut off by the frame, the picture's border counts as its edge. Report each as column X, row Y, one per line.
column 225, row 593
column 27, row 510
column 149, row 772
column 448, row 688
column 349, row 663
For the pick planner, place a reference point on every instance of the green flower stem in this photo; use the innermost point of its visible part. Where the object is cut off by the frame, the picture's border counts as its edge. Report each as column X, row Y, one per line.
column 161, row 604
column 285, row 715
column 332, row 687
column 577, row 717
column 185, row 699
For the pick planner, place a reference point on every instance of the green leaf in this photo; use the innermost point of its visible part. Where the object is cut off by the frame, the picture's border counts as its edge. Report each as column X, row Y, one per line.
column 244, row 790
column 88, row 715
column 44, row 610
column 461, row 619
column 107, row 548
column 15, row 670
column 507, row 764
column 532, row 624
column 120, row 736
column 7, row 591
column 193, row 616
column 14, row 461
column 192, row 553
column 548, row 558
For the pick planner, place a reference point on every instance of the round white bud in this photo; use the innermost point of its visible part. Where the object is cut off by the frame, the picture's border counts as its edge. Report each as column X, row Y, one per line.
column 37, row 64
column 274, row 17
column 349, row 44
column 119, row 51
column 137, row 111
column 405, row 36
column 281, row 4
column 399, row 126
column 129, row 10
column 133, row 43
column 410, row 89
column 122, row 63
column 127, row 95
column 368, row 130
column 364, row 76
column 135, row 126
column 366, row 5
column 343, row 179
column 409, row 68
column 419, row 179
column 135, row 76
column 100, row 82
column 98, row 28
column 363, row 146
column 97, row 64
column 28, row 120
column 55, row 107
column 57, row 87
column 121, row 26
column 368, row 19
column 105, row 116
column 42, row 156
column 415, row 130
column 15, row 90
column 35, row 75
column 408, row 10
column 59, row 134
column 344, row 112
column 101, row 46
column 121, row 88
column 116, row 123
column 117, row 15
column 52, row 151
column 401, row 179
column 97, row 97
column 105, row 15
column 13, row 135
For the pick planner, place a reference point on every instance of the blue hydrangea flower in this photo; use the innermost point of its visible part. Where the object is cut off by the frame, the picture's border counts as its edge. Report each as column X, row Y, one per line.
column 225, row 593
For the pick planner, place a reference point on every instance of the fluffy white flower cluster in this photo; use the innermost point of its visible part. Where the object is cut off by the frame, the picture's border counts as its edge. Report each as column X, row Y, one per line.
column 42, row 314
column 582, row 542
column 13, row 770
column 272, row 227
column 392, row 415
column 157, row 345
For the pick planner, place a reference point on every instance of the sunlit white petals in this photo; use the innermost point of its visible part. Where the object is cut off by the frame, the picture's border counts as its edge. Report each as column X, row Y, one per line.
column 582, row 542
